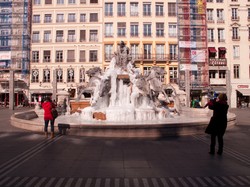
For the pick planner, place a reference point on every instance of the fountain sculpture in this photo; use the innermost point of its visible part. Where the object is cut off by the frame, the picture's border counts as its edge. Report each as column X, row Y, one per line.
column 123, row 94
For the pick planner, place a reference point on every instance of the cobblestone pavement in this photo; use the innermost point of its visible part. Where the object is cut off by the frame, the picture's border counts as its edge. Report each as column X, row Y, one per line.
column 28, row 159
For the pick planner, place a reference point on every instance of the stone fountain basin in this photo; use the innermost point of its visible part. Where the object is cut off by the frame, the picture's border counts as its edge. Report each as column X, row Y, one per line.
column 192, row 121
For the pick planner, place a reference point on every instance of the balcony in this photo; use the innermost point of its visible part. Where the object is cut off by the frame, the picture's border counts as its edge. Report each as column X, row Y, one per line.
column 217, row 81
column 236, row 38
column 59, row 39
column 220, row 21
column 150, row 57
column 59, row 60
column 109, row 14
column 70, row 60
column 235, row 18
column 217, row 62
column 71, row 40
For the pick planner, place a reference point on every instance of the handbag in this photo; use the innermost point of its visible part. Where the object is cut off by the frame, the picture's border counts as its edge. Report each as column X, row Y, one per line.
column 54, row 113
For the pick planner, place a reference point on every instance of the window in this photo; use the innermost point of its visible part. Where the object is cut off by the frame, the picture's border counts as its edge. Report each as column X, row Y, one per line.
column 173, row 74
column 93, row 35
column 159, row 9
column 71, row 56
column 212, row 74
column 108, row 52
column 93, row 55
column 248, row 13
column 147, row 29
column 35, row 56
column 209, row 1
column 35, row 75
column 71, row 2
column 134, row 29
column 59, row 36
column 173, row 52
column 108, row 9
column 172, row 30
column 108, row 29
column 46, row 56
column 59, row 75
column 60, row 2
column 71, row 17
column 93, row 17
column 160, row 55
column 210, row 34
column 71, row 36
column 83, row 18
column 46, row 75
column 146, row 70
column 70, row 75
column 47, row 18
column 82, row 35
column 82, row 75
column 93, row 1
column 82, row 56
column 59, row 56
column 172, row 9
column 121, row 28
column 221, row 35
column 234, row 14
column 235, row 33
column 222, row 52
column 210, row 13
column 36, row 18
column 219, row 1
column 37, row 2
column 236, row 71
column 121, row 9
column 36, row 37
column 47, row 36
column 147, row 51
column 134, row 51
column 48, row 2
column 236, row 52
column 59, row 18
column 82, row 1
column 146, row 9
column 220, row 15
column 134, row 10
column 222, row 74
column 159, row 29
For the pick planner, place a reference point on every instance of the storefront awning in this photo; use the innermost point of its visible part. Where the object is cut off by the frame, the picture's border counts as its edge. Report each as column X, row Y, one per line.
column 212, row 50
column 219, row 89
column 222, row 49
column 245, row 92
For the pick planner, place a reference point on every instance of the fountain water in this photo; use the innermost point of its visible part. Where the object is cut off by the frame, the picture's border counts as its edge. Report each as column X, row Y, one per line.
column 123, row 94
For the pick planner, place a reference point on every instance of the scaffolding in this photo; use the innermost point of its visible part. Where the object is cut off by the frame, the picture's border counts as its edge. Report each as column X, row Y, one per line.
column 192, row 38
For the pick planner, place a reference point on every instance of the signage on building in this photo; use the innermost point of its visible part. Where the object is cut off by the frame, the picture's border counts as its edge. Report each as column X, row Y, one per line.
column 5, row 55
column 198, row 55
column 190, row 67
column 243, row 86
column 217, row 62
column 187, row 44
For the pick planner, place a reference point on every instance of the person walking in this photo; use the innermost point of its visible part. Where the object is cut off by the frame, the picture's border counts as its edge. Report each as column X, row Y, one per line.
column 218, row 122
column 47, row 106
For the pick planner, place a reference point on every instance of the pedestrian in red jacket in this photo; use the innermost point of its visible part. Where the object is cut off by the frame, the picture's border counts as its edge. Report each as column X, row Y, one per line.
column 47, row 106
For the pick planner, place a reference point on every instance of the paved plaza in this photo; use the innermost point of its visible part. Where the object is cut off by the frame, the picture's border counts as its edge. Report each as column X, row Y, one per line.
column 27, row 159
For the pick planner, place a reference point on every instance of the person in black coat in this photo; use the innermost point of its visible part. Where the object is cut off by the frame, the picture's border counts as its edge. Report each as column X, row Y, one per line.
column 218, row 122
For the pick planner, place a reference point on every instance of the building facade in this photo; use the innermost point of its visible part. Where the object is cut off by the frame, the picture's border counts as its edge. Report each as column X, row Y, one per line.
column 66, row 42
column 14, row 48
column 70, row 36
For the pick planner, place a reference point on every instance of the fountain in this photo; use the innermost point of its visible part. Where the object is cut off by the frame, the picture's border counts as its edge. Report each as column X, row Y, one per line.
column 126, row 103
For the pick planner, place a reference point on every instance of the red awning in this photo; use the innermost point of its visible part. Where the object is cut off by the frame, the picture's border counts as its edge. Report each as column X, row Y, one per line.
column 212, row 50
column 222, row 49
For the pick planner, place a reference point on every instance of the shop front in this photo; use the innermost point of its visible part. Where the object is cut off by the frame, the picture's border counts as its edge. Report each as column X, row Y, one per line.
column 243, row 96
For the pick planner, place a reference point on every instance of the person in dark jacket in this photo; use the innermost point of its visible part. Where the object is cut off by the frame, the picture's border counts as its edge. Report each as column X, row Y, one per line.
column 47, row 106
column 218, row 122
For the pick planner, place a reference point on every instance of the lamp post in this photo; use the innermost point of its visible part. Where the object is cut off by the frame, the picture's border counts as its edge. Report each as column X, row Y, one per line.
column 11, row 90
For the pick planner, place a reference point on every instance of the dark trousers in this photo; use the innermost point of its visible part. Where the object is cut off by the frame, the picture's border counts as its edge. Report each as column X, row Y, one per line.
column 46, row 124
column 213, row 143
